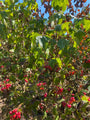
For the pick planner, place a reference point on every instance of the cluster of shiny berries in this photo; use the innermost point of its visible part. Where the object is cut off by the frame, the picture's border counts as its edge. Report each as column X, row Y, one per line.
column 15, row 114
column 88, row 61
column 5, row 85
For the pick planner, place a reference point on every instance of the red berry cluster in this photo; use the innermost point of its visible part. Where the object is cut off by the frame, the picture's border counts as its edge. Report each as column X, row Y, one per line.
column 41, row 105
column 48, row 67
column 59, row 91
column 88, row 61
column 58, row 68
column 70, row 73
column 5, row 85
column 15, row 115
column 1, row 66
column 81, row 73
column 63, row 104
column 41, row 84
column 72, row 99
column 27, row 77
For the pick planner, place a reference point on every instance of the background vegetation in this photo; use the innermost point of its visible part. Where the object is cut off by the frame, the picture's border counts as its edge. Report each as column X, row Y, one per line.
column 45, row 63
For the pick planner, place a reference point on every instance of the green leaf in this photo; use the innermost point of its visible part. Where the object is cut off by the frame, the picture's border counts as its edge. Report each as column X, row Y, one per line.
column 86, row 65
column 62, row 43
column 75, row 44
column 65, row 27
column 45, row 115
column 52, row 62
column 8, row 2
column 44, row 41
column 58, row 28
column 85, row 98
column 59, row 4
column 56, row 81
column 86, row 24
column 59, row 62
column 79, row 35
column 57, row 118
column 33, row 37
column 89, row 88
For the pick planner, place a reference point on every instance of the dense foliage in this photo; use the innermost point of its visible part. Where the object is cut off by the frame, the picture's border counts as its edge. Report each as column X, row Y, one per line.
column 45, row 63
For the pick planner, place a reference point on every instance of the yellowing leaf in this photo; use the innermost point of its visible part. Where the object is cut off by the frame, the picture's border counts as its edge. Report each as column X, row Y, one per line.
column 85, row 77
column 87, row 24
column 11, row 14
column 59, row 4
column 75, row 44
column 60, row 51
column 59, row 62
column 85, row 98
column 0, row 44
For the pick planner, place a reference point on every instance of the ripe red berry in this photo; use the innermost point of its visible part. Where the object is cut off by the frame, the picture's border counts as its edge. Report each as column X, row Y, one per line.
column 26, row 80
column 10, row 112
column 88, row 61
column 45, row 95
column 69, row 105
column 73, row 72
column 14, row 116
column 89, row 99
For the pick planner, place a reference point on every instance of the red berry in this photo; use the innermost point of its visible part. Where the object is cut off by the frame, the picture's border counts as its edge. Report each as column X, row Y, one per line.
column 45, row 95
column 69, row 105
column 46, row 111
column 73, row 72
column 26, row 80
column 84, row 93
column 14, row 116
column 72, row 94
column 89, row 99
column 15, row 110
column 19, row 116
column 10, row 112
column 39, row 84
column 63, row 104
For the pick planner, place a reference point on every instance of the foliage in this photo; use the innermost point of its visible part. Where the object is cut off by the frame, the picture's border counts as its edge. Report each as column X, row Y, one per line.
column 45, row 63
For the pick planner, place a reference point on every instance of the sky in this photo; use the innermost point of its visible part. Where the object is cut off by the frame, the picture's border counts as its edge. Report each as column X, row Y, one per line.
column 42, row 7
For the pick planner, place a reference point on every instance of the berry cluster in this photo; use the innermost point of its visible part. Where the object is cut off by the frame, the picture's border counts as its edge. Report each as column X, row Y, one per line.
column 41, row 84
column 5, row 85
column 59, row 90
column 58, row 68
column 27, row 77
column 41, row 105
column 88, row 61
column 1, row 66
column 70, row 73
column 81, row 73
column 48, row 67
column 15, row 115
column 72, row 99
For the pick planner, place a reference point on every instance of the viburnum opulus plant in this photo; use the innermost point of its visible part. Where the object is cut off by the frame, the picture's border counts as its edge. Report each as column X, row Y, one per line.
column 45, row 62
